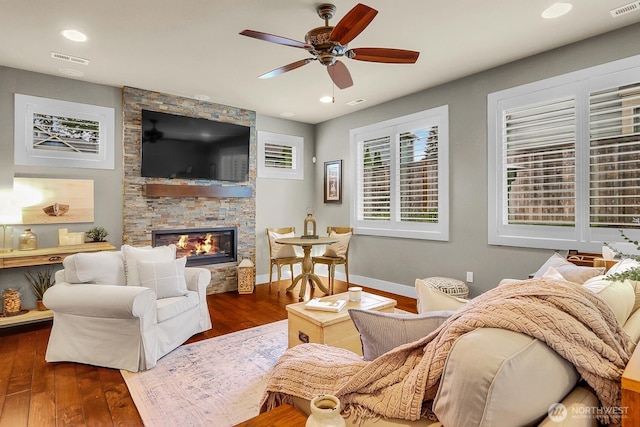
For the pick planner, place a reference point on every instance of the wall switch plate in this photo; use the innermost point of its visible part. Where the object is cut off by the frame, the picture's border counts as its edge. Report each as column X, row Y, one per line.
column 469, row 276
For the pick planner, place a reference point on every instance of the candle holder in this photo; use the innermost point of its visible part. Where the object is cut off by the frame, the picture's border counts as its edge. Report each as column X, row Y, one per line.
column 309, row 226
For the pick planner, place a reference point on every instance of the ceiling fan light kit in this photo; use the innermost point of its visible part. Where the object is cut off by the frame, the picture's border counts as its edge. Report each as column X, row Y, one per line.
column 326, row 44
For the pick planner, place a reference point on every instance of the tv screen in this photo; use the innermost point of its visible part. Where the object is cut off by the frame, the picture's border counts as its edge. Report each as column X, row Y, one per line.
column 193, row 148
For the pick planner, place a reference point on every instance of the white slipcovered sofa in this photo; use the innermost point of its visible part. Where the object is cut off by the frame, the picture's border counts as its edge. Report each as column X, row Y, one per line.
column 497, row 377
column 125, row 309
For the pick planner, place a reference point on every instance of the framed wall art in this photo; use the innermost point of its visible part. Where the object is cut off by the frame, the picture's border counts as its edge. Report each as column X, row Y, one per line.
column 50, row 132
column 333, row 181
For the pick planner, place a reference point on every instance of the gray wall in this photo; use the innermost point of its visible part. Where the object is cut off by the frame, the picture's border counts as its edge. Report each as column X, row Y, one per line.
column 107, row 183
column 385, row 262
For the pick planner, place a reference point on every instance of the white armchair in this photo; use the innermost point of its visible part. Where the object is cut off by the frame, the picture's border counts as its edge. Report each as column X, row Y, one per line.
column 100, row 319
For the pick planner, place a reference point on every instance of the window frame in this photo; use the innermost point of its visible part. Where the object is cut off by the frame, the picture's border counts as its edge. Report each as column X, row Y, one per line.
column 296, row 143
column 394, row 127
column 580, row 84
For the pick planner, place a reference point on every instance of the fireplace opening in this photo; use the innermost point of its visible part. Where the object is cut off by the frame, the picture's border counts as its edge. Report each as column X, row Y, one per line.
column 200, row 245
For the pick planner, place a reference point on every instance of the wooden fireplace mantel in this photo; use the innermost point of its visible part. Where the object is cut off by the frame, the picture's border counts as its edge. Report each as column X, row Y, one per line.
column 169, row 190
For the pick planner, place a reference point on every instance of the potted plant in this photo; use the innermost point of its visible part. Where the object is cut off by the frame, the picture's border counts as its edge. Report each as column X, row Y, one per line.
column 40, row 282
column 97, row 234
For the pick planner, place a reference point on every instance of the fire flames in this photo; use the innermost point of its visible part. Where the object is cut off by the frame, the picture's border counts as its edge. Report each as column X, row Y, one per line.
column 201, row 246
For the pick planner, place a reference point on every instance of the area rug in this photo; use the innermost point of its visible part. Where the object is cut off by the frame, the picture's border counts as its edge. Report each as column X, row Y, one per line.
column 216, row 382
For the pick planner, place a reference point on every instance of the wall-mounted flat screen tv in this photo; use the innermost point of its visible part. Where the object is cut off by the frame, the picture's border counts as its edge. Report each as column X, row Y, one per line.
column 193, row 148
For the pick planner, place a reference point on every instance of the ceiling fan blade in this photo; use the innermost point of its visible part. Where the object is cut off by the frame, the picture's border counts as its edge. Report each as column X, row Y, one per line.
column 285, row 68
column 380, row 54
column 340, row 75
column 353, row 23
column 275, row 39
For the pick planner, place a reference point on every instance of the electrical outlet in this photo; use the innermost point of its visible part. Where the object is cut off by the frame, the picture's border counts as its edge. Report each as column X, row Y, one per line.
column 469, row 276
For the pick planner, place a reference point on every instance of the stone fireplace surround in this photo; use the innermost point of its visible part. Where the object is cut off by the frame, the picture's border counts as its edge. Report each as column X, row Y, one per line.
column 142, row 213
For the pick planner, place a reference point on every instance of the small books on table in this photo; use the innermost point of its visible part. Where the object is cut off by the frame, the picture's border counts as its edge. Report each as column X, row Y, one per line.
column 318, row 304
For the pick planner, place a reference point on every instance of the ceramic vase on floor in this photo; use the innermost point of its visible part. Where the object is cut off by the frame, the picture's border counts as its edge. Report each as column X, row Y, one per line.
column 325, row 412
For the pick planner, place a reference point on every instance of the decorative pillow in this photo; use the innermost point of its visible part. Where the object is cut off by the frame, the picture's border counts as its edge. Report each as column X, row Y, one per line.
column 381, row 332
column 339, row 248
column 101, row 268
column 623, row 265
column 132, row 255
column 432, row 299
column 279, row 250
column 570, row 271
column 552, row 273
column 165, row 278
column 483, row 378
column 620, row 296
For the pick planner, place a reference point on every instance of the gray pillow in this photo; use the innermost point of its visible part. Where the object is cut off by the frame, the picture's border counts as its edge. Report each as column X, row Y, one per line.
column 381, row 332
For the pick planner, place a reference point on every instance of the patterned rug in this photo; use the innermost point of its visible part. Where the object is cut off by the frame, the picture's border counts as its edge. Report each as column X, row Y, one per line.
column 216, row 382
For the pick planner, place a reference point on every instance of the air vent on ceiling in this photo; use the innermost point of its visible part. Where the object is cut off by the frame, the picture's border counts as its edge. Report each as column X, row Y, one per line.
column 357, row 101
column 69, row 58
column 627, row 8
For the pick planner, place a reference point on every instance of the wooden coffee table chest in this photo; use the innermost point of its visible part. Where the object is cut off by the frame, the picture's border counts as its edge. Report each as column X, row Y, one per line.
column 335, row 329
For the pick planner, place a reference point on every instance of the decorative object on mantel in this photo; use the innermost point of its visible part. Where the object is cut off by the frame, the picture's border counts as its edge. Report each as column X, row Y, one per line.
column 40, row 282
column 28, row 240
column 11, row 303
column 66, row 238
column 325, row 412
column 309, row 226
column 245, row 277
column 97, row 234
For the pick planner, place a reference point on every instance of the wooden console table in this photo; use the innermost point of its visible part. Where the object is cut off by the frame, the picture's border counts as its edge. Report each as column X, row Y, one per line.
column 281, row 416
column 47, row 256
column 44, row 256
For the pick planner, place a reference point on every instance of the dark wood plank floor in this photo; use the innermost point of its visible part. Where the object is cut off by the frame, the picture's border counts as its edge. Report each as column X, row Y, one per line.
column 36, row 393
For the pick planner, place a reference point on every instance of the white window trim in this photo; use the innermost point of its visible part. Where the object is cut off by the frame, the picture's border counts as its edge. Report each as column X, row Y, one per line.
column 580, row 237
column 409, row 230
column 295, row 142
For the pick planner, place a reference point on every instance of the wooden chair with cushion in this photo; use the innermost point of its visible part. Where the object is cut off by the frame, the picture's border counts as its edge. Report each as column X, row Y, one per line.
column 281, row 255
column 336, row 253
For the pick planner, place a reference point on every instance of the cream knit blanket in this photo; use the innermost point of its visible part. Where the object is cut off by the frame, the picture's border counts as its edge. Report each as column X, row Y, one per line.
column 571, row 320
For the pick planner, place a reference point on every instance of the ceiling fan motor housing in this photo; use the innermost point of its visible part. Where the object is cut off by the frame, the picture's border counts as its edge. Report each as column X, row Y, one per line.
column 324, row 49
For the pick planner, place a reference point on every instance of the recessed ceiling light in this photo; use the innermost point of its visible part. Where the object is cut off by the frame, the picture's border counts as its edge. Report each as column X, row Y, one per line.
column 75, row 35
column 556, row 10
column 326, row 99
column 71, row 72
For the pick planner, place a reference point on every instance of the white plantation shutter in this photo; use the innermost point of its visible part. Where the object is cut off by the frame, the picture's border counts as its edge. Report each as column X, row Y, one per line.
column 374, row 192
column 280, row 156
column 539, row 154
column 401, row 177
column 564, row 159
column 418, row 175
column 614, row 156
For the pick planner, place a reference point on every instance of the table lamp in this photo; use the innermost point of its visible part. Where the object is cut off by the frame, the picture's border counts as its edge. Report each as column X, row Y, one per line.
column 10, row 213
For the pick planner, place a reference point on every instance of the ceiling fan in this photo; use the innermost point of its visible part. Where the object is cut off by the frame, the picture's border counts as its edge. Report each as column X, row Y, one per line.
column 327, row 44
column 153, row 135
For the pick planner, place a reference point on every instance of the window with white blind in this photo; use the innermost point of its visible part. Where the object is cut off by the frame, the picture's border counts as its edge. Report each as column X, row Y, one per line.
column 564, row 159
column 401, row 176
column 280, row 156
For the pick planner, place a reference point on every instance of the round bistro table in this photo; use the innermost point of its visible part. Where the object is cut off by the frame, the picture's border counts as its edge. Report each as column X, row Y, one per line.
column 307, row 265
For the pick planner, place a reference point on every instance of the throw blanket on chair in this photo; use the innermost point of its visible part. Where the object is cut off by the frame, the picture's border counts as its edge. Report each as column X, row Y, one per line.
column 571, row 320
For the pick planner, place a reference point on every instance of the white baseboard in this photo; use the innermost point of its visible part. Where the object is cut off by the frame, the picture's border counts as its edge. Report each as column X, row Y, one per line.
column 381, row 285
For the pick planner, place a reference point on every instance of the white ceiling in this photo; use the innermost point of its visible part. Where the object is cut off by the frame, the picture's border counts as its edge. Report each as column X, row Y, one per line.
column 192, row 47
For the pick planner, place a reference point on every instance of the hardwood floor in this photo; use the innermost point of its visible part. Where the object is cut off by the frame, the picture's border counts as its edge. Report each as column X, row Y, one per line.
column 36, row 393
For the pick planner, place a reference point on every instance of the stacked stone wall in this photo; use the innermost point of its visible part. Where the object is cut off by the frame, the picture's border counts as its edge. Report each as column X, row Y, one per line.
column 142, row 214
